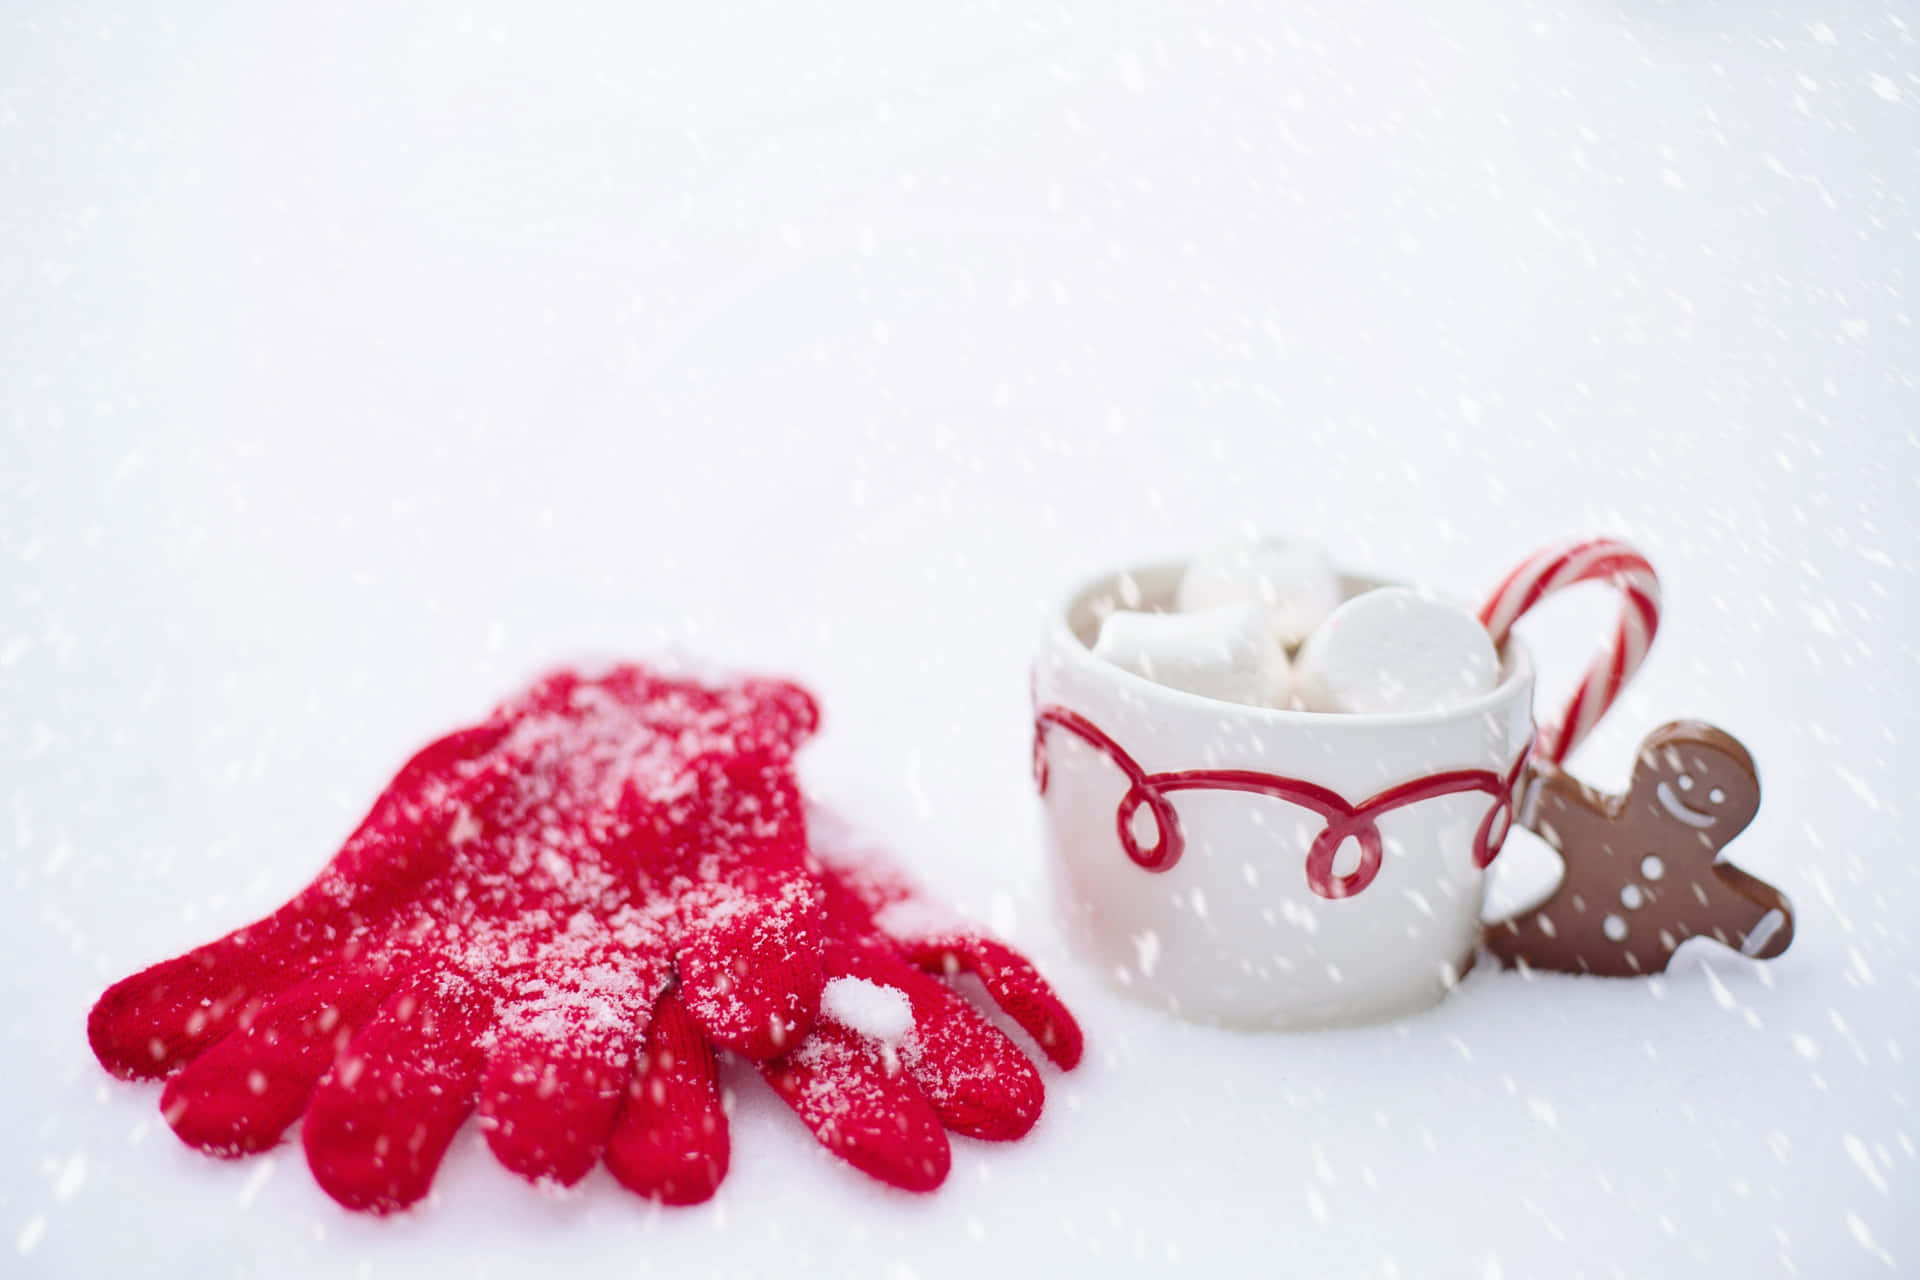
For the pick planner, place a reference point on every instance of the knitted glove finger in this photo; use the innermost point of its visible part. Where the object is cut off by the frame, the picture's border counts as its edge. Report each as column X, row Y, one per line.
column 896, row 1058
column 670, row 1142
column 852, row 1092
column 748, row 953
column 979, row 1082
column 146, row 1025
column 563, row 1054
column 896, row 1049
column 546, row 1108
column 749, row 965
column 242, row 1094
column 1011, row 982
column 381, row 1118
column 869, row 890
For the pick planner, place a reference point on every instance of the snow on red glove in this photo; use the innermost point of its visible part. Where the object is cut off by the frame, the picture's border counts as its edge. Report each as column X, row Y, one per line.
column 896, row 1058
column 498, row 931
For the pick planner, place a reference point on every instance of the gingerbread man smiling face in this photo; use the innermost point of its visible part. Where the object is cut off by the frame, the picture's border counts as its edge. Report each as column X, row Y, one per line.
column 1643, row 870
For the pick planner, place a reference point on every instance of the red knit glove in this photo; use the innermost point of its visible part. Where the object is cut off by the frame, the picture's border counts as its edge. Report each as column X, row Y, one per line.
column 498, row 930
column 895, row 1059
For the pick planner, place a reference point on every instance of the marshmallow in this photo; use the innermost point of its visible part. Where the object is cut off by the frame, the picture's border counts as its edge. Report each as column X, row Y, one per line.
column 1395, row 650
column 1294, row 580
column 1225, row 653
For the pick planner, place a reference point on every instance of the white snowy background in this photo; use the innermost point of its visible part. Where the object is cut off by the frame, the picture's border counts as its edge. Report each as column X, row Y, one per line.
column 355, row 361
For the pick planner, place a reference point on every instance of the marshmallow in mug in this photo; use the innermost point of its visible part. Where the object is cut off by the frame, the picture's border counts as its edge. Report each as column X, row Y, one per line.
column 1395, row 650
column 1294, row 581
column 1226, row 653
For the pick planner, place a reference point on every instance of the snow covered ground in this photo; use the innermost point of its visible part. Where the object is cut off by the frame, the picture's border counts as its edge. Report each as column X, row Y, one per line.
column 353, row 364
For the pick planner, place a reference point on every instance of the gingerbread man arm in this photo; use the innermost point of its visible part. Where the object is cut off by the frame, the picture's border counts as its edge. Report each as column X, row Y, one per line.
column 1564, row 811
column 1642, row 869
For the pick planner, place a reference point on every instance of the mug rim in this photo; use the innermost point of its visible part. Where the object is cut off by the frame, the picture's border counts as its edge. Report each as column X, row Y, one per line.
column 1516, row 662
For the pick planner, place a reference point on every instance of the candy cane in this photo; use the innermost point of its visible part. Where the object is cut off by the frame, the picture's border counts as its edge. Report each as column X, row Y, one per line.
column 1591, row 560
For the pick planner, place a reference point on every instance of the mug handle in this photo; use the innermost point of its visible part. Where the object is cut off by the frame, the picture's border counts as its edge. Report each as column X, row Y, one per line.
column 1642, row 870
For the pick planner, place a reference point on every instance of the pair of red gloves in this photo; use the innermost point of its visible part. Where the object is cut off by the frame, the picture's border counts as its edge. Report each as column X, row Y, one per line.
column 557, row 916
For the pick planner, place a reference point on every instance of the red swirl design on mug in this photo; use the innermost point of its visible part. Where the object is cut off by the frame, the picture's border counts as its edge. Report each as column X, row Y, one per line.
column 1360, row 821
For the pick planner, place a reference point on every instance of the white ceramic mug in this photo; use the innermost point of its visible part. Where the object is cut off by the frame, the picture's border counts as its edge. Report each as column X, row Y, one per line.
column 1260, row 867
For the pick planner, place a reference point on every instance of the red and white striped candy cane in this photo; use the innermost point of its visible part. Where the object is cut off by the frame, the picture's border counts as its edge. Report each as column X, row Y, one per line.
column 1590, row 560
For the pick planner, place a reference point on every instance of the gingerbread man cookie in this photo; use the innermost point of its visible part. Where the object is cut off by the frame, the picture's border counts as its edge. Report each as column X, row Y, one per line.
column 1643, row 871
